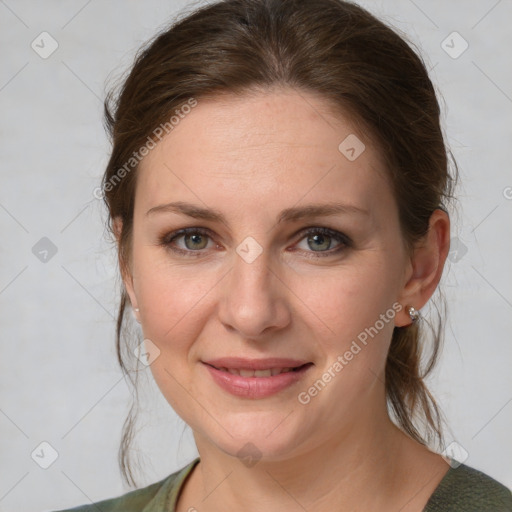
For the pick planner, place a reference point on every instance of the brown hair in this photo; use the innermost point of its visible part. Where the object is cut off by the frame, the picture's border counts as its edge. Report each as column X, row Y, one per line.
column 330, row 48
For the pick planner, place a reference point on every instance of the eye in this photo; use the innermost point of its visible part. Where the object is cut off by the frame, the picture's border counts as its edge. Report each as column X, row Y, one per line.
column 321, row 241
column 195, row 241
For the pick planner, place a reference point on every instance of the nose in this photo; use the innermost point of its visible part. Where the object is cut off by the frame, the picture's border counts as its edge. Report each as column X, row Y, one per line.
column 254, row 298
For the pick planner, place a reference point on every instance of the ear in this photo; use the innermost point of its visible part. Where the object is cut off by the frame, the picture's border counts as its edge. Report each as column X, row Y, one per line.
column 124, row 267
column 426, row 266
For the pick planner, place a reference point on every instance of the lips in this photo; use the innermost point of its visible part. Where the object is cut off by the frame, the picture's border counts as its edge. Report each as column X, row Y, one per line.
column 256, row 378
column 246, row 372
column 240, row 363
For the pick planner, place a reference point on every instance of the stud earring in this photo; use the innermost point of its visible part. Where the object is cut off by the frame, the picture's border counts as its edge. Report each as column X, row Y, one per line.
column 414, row 314
column 134, row 315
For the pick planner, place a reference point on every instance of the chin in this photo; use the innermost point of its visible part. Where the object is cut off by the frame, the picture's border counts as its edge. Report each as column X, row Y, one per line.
column 259, row 435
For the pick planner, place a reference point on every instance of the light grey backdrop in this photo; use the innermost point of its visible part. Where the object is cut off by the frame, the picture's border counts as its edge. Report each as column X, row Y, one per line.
column 60, row 383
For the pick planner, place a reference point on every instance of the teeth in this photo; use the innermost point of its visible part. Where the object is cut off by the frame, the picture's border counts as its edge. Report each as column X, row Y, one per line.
column 269, row 372
column 263, row 373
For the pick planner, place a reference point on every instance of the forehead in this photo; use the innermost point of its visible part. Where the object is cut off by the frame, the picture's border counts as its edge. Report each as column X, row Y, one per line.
column 281, row 145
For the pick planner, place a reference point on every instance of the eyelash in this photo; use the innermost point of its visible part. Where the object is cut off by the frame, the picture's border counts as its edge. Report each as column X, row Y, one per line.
column 345, row 241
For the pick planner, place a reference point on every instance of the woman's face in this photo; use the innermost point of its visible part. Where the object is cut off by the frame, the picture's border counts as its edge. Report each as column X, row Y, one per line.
column 275, row 279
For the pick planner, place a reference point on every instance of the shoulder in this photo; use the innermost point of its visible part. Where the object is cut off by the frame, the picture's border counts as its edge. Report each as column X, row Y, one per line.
column 467, row 489
column 153, row 498
column 133, row 501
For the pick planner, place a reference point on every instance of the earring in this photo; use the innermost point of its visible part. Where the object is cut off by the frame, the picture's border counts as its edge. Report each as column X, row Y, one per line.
column 413, row 313
column 134, row 315
column 136, row 309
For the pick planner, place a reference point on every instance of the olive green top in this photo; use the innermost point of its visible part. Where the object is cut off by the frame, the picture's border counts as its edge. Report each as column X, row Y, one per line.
column 462, row 489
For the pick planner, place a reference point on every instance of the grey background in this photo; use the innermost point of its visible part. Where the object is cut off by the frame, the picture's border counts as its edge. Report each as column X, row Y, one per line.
column 59, row 379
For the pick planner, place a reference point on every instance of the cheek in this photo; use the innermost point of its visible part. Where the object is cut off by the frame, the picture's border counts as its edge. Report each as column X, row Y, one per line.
column 352, row 313
column 350, row 299
column 172, row 298
column 174, row 302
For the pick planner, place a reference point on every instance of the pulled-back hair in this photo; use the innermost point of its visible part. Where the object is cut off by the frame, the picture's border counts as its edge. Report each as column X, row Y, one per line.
column 333, row 49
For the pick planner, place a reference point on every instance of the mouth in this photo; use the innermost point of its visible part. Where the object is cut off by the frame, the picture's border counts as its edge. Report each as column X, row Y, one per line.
column 268, row 372
column 256, row 378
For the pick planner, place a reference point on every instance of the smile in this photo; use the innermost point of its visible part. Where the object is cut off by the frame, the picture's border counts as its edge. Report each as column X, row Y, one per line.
column 253, row 380
column 270, row 372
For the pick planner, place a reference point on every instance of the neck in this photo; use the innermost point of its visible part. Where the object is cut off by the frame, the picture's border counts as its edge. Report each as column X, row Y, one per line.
column 366, row 467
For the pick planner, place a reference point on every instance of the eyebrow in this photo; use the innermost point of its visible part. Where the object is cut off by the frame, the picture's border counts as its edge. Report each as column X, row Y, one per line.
column 288, row 215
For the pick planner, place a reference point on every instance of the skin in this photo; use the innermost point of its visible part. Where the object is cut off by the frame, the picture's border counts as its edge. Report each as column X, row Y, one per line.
column 251, row 157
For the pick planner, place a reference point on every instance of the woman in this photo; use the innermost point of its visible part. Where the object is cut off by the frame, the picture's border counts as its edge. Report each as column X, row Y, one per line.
column 278, row 188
